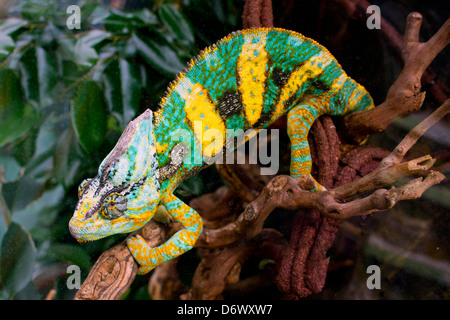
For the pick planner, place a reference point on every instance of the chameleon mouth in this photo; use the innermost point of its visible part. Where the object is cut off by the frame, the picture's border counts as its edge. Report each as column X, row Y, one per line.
column 81, row 234
column 95, row 230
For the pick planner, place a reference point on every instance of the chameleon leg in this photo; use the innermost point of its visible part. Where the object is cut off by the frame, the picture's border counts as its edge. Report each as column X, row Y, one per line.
column 299, row 121
column 180, row 242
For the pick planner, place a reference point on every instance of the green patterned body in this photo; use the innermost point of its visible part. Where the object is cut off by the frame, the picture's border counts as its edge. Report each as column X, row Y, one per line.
column 321, row 88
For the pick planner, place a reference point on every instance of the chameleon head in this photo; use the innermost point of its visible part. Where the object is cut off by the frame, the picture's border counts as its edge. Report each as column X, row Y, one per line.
column 123, row 196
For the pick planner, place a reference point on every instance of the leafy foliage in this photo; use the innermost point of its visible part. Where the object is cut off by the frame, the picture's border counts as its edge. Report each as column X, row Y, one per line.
column 65, row 97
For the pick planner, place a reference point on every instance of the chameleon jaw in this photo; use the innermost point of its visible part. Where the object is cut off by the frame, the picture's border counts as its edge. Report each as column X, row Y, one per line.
column 75, row 232
column 97, row 227
column 85, row 231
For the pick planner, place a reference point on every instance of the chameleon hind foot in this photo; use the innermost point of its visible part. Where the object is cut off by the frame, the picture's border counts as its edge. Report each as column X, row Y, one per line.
column 308, row 183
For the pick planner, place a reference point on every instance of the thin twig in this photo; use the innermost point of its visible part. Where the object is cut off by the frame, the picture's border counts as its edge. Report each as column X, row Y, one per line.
column 411, row 138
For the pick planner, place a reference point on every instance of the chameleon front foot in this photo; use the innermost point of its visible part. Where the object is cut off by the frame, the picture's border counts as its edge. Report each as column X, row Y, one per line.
column 182, row 241
column 143, row 254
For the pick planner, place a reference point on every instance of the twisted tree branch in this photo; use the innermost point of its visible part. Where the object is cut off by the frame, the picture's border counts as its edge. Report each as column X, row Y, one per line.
column 404, row 96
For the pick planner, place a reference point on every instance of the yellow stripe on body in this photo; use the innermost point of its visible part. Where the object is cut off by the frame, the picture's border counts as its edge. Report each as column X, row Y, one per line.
column 203, row 115
column 252, row 74
column 299, row 77
column 339, row 82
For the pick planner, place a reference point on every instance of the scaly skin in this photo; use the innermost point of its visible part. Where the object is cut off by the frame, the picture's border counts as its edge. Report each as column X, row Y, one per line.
column 247, row 80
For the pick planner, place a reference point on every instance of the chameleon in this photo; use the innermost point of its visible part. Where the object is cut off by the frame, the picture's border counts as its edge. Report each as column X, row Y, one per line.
column 248, row 79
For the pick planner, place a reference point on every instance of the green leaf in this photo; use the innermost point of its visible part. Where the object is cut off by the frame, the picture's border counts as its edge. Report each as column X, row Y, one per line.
column 39, row 167
column 73, row 254
column 65, row 164
column 122, row 48
column 112, row 85
column 6, row 45
column 131, row 90
column 146, row 16
column 176, row 23
column 158, row 53
column 36, row 11
column 29, row 74
column 18, row 194
column 3, row 224
column 123, row 22
column 25, row 148
column 29, row 217
column 10, row 93
column 16, row 119
column 94, row 37
column 12, row 24
column 122, row 89
column 67, row 47
column 11, row 166
column 70, row 72
column 47, row 72
column 17, row 125
column 89, row 116
column 17, row 258
column 98, row 15
column 84, row 54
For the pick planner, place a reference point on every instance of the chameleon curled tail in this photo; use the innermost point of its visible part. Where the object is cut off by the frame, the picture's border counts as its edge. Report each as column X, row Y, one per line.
column 247, row 80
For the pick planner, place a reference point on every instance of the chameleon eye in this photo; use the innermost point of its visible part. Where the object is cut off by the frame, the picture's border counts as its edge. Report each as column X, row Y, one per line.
column 113, row 206
column 82, row 187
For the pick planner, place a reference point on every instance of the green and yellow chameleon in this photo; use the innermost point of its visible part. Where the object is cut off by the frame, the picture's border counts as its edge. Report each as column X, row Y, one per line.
column 247, row 80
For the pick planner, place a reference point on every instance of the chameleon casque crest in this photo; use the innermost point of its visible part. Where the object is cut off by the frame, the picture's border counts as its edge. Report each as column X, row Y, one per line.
column 247, row 80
